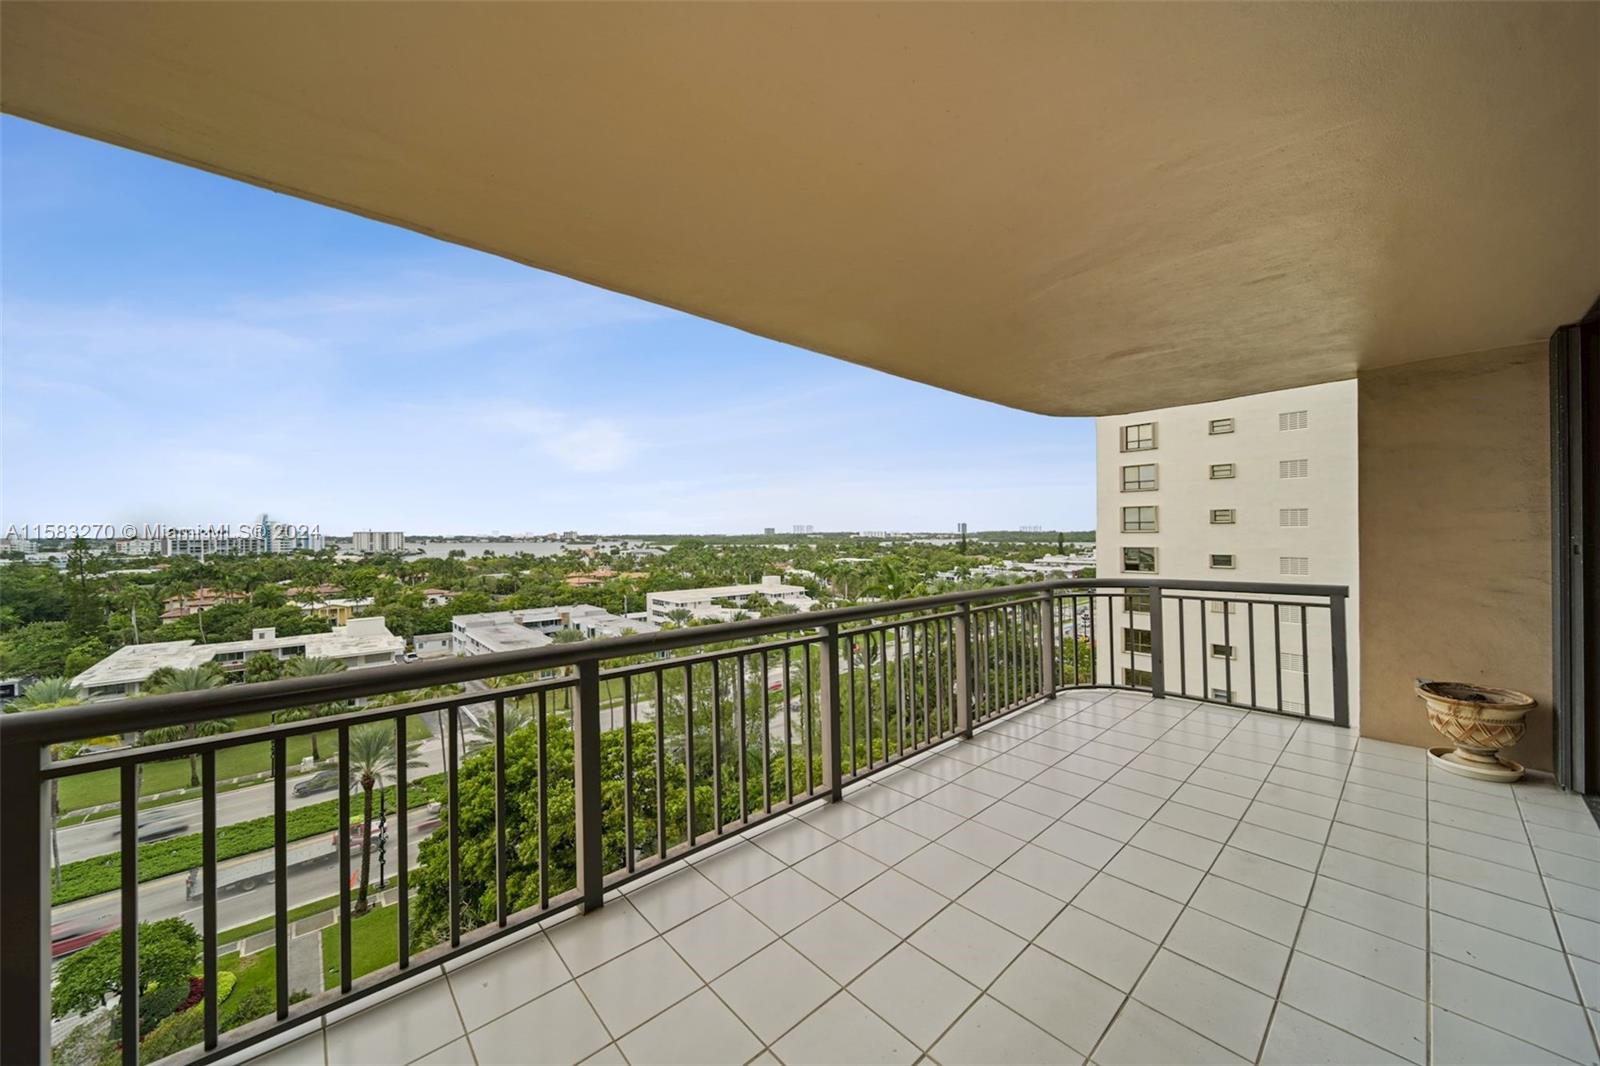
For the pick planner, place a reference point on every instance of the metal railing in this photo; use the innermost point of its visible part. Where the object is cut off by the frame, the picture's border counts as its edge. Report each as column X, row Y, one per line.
column 604, row 760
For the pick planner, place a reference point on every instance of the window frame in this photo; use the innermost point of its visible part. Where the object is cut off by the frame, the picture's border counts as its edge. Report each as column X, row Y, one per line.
column 1219, row 427
column 1137, row 647
column 1224, row 651
column 1136, row 601
column 1302, row 512
column 1131, row 676
column 1231, row 564
column 1287, row 468
column 1139, row 485
column 1287, row 420
column 1224, row 471
column 1231, row 520
column 1137, row 446
column 1155, row 560
column 1286, row 569
column 1155, row 518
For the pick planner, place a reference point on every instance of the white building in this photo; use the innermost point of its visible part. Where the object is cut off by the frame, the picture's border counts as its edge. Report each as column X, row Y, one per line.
column 369, row 541
column 1259, row 488
column 702, row 603
column 263, row 536
column 534, row 627
column 360, row 643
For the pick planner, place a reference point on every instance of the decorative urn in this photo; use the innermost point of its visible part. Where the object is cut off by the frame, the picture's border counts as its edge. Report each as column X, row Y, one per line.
column 1480, row 722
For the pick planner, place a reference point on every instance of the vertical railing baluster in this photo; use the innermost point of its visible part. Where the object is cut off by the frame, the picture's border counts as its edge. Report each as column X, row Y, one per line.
column 1205, row 651
column 453, row 794
column 688, row 754
column 866, row 691
column 130, row 913
column 1047, row 645
column 627, row 768
column 744, row 738
column 899, row 691
column 883, row 687
column 716, row 744
column 208, row 891
column 661, row 769
column 1094, row 646
column 1250, row 629
column 1277, row 652
column 788, row 740
column 1341, row 661
column 402, row 810
column 343, row 836
column 1305, row 663
column 1227, row 646
column 280, row 868
column 25, row 893
column 806, row 701
column 828, row 693
column 502, row 870
column 586, row 785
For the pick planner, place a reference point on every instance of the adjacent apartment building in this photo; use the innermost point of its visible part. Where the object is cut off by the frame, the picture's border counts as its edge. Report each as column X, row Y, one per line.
column 1259, row 488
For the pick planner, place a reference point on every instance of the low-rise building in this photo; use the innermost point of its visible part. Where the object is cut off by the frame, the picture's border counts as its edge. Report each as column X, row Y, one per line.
column 337, row 609
column 201, row 599
column 534, row 627
column 360, row 643
column 703, row 603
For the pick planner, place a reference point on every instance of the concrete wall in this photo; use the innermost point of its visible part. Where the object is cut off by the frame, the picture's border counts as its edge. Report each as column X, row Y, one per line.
column 1454, row 459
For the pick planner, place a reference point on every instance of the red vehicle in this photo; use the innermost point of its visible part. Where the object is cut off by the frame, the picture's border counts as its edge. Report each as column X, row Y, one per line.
column 69, row 936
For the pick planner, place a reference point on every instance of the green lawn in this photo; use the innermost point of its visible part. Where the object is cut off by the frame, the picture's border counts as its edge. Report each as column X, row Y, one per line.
column 256, row 993
column 374, row 944
column 89, row 790
column 239, row 932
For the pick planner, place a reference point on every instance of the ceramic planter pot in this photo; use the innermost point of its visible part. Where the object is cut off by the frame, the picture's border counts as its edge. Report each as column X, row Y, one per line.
column 1480, row 722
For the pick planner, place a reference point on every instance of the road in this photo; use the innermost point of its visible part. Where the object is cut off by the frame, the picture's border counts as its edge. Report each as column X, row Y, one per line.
column 164, row 898
column 99, row 837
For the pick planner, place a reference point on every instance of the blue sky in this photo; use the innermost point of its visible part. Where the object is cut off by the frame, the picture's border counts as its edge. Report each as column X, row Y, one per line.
column 177, row 347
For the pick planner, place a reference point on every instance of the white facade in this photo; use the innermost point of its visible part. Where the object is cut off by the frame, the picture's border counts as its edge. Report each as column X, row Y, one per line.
column 369, row 541
column 261, row 536
column 360, row 643
column 1255, row 489
column 701, row 603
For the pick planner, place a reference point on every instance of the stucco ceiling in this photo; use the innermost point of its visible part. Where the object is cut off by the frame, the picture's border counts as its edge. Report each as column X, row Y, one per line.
column 1068, row 208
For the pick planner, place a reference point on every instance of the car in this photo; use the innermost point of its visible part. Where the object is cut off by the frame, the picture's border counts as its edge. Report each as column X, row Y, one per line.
column 321, row 781
column 410, row 657
column 156, row 825
column 75, row 935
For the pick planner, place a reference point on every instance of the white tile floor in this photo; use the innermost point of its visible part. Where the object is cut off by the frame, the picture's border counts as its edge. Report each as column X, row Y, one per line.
column 1100, row 878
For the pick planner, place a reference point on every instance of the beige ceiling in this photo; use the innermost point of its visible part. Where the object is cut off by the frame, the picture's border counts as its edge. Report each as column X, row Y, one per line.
column 1069, row 208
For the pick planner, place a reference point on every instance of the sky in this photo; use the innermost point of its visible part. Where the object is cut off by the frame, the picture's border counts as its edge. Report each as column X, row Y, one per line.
column 180, row 348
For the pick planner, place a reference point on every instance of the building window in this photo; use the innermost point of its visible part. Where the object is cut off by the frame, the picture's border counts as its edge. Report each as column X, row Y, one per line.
column 1138, row 519
column 1223, row 516
column 1294, row 517
column 1222, row 695
column 1136, row 640
column 1222, row 562
column 1137, row 601
column 1224, row 607
column 1219, row 426
column 1141, row 478
column 1294, row 468
column 1293, row 661
column 1139, row 438
column 1222, row 651
column 1138, row 560
column 1137, row 678
column 1294, row 565
column 1292, row 420
column 1221, row 471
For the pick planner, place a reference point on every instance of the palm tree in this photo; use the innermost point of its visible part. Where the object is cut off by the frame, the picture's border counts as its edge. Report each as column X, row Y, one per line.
column 310, row 666
column 372, row 762
column 43, row 694
column 189, row 679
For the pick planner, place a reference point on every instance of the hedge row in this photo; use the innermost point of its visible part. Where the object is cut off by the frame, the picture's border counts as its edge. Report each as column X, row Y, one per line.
column 162, row 858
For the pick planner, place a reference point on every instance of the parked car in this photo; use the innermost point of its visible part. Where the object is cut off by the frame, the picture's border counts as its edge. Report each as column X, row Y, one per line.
column 75, row 935
column 321, row 781
column 156, row 825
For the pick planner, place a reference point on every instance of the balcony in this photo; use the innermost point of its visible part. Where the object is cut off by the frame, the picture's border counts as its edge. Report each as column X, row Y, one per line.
column 933, row 827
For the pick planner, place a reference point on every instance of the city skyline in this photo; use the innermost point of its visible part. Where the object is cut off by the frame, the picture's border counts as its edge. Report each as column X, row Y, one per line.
column 187, row 349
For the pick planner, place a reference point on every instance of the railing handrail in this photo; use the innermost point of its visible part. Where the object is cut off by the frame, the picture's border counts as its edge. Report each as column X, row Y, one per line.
column 133, row 714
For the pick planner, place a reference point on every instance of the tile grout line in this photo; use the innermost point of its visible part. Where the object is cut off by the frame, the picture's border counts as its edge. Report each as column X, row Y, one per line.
column 1583, row 1005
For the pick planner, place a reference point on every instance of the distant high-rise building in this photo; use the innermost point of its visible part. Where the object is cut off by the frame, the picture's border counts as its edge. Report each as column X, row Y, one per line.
column 264, row 536
column 770, row 530
column 368, row 541
column 803, row 529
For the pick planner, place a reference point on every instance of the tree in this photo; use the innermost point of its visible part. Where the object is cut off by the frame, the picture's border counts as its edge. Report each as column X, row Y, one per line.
column 189, row 679
column 310, row 666
column 263, row 666
column 42, row 695
column 169, row 951
column 85, row 613
column 372, row 763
